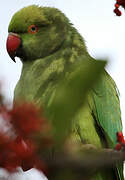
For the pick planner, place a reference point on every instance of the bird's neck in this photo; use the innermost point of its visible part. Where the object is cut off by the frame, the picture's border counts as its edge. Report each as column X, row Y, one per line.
column 40, row 77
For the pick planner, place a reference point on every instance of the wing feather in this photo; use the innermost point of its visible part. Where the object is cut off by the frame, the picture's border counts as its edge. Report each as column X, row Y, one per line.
column 108, row 114
column 107, row 107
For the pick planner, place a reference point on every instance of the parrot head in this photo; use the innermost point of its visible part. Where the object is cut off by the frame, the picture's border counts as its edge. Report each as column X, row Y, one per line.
column 36, row 32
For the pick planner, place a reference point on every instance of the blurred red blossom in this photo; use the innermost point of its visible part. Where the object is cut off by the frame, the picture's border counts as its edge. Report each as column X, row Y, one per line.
column 26, row 125
column 117, row 5
column 26, row 119
column 120, row 142
column 118, row 147
column 120, row 137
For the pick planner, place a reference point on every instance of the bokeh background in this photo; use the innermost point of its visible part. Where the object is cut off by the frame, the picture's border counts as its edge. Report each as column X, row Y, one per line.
column 102, row 30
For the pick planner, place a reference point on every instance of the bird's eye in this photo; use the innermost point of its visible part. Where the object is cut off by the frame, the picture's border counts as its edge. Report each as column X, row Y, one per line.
column 32, row 29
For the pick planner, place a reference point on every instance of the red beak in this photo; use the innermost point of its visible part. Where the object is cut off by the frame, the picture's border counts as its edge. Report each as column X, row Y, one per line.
column 13, row 42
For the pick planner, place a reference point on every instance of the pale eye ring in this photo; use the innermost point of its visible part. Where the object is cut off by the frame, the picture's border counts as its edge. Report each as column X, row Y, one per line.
column 32, row 29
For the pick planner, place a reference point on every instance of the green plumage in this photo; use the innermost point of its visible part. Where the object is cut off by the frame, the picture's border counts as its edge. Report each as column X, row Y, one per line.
column 46, row 57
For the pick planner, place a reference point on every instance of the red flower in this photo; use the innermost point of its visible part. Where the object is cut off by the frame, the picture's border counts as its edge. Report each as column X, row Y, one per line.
column 22, row 148
column 120, row 137
column 31, row 134
column 117, row 12
column 28, row 163
column 121, row 2
column 118, row 147
column 117, row 5
column 4, row 140
column 121, row 142
column 11, row 161
column 8, row 158
column 26, row 119
column 17, row 152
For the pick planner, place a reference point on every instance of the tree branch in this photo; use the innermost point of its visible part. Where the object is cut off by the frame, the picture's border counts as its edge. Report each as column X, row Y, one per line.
column 84, row 164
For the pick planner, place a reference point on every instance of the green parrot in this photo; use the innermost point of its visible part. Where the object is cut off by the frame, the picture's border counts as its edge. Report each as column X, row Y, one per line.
column 47, row 44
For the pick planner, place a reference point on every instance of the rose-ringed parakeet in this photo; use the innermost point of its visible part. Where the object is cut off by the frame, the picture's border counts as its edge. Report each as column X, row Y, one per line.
column 47, row 44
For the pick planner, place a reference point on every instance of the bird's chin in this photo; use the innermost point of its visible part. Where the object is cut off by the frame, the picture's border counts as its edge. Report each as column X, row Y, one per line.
column 21, row 55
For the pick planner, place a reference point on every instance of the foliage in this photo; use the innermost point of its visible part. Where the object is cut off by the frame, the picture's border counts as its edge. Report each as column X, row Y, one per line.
column 71, row 95
column 29, row 132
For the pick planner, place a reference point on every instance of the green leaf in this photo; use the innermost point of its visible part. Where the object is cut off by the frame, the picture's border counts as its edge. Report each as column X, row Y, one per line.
column 70, row 96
